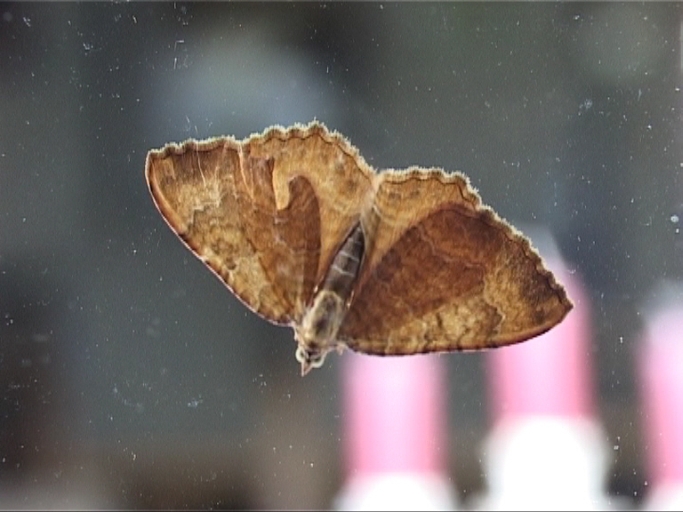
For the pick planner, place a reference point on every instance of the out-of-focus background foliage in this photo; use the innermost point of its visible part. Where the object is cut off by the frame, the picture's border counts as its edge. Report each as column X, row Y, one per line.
column 130, row 377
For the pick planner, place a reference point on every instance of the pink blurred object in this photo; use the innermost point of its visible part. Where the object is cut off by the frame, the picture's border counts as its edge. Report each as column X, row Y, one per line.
column 660, row 366
column 395, row 443
column 395, row 414
column 546, row 449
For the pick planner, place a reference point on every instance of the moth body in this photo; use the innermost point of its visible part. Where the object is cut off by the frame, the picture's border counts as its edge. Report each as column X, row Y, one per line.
column 317, row 333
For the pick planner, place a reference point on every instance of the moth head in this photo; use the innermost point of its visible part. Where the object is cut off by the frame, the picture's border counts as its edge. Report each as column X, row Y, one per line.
column 309, row 359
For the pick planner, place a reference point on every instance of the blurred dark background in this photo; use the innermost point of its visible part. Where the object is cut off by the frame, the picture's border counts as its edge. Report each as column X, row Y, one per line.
column 130, row 377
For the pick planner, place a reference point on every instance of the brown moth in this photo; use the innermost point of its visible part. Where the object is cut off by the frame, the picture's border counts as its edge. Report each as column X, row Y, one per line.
column 307, row 234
